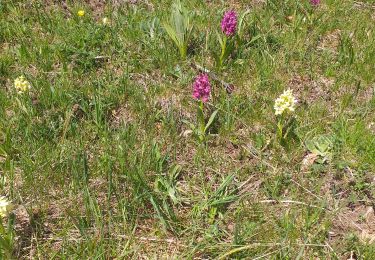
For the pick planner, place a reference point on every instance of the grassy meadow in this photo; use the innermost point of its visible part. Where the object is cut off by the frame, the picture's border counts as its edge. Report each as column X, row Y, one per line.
column 106, row 154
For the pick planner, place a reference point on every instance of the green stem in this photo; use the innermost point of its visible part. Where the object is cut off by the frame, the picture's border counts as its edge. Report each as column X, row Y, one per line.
column 280, row 129
column 201, row 122
column 183, row 52
column 223, row 51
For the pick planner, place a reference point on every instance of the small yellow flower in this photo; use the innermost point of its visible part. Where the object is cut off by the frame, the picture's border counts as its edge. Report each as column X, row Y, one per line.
column 21, row 84
column 105, row 21
column 5, row 207
column 286, row 102
column 81, row 13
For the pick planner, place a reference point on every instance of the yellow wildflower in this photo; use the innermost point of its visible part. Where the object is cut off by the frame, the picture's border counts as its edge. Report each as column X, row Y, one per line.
column 21, row 84
column 286, row 102
column 81, row 13
column 5, row 207
column 105, row 21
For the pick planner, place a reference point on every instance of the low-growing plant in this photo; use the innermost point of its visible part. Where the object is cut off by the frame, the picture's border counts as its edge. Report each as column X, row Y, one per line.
column 226, row 39
column 201, row 92
column 167, row 184
column 284, row 106
column 179, row 27
column 322, row 146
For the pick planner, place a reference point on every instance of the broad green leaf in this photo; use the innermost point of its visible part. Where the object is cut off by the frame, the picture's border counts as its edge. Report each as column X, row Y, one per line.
column 212, row 118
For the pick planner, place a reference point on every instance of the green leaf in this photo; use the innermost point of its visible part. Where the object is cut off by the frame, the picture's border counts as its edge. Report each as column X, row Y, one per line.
column 179, row 27
column 212, row 118
column 241, row 22
column 200, row 119
column 321, row 145
column 253, row 40
column 219, row 38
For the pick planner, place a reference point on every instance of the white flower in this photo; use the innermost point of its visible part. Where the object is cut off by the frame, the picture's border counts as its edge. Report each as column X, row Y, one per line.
column 21, row 84
column 5, row 207
column 105, row 21
column 286, row 102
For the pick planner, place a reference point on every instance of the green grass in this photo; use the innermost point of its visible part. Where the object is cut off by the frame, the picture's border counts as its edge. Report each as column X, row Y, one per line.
column 99, row 162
